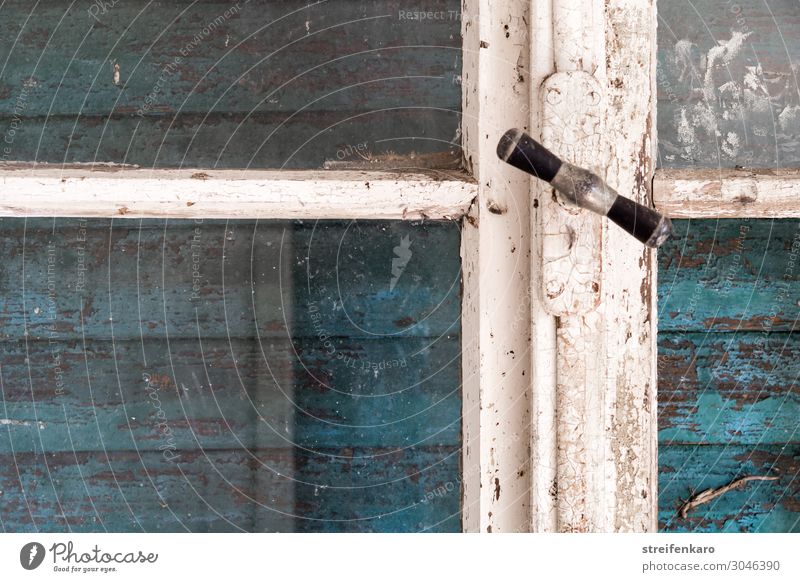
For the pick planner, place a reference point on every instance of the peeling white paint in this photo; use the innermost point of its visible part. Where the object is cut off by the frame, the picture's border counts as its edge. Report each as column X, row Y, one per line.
column 731, row 193
column 186, row 193
column 594, row 412
column 13, row 422
column 496, row 269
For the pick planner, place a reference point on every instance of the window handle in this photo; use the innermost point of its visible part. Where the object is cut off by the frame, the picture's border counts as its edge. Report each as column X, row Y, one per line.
column 579, row 187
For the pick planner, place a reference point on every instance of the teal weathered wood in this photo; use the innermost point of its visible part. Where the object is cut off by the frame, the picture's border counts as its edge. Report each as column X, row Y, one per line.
column 231, row 57
column 217, row 83
column 725, row 388
column 224, row 394
column 765, row 506
column 393, row 139
column 727, row 83
column 728, row 368
column 309, row 373
column 317, row 373
column 129, row 491
column 231, row 490
column 265, row 279
column 418, row 490
column 729, row 275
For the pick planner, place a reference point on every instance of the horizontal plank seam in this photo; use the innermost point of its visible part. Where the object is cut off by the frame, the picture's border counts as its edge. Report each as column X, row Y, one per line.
column 207, row 117
column 400, row 447
column 176, row 337
column 731, row 445
column 666, row 331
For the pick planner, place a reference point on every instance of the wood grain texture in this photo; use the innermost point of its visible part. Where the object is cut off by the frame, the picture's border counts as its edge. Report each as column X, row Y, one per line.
column 496, row 245
column 727, row 84
column 626, row 336
column 375, row 490
column 389, row 139
column 287, row 406
column 735, row 389
column 730, row 275
column 766, row 506
column 724, row 193
column 200, row 491
column 220, row 394
column 120, row 80
column 231, row 490
column 227, row 56
column 265, row 279
column 728, row 405
column 613, row 348
column 111, row 192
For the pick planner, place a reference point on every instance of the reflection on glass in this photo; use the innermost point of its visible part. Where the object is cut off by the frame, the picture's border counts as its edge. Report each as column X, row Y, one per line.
column 227, row 376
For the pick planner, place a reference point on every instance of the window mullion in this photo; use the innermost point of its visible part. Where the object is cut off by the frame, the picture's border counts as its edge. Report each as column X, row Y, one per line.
column 520, row 366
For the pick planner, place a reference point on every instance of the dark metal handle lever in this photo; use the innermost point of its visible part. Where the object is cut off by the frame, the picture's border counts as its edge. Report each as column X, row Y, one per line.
column 583, row 188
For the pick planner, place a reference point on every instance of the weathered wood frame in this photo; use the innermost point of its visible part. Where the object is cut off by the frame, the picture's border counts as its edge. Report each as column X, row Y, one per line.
column 525, row 466
column 728, row 193
column 566, row 410
column 560, row 414
column 124, row 192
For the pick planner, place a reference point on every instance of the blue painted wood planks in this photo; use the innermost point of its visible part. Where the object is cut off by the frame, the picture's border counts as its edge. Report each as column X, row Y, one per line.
column 259, row 83
column 226, row 376
column 728, row 365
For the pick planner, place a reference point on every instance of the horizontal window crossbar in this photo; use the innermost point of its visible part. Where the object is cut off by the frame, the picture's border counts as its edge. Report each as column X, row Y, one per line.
column 108, row 191
column 728, row 193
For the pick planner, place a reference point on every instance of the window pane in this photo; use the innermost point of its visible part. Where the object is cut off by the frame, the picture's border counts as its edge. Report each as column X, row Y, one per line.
column 727, row 97
column 261, row 83
column 223, row 376
column 729, row 362
column 727, row 83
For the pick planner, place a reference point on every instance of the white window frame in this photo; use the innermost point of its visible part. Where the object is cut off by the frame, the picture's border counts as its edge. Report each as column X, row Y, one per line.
column 571, row 445
column 559, row 414
column 728, row 193
column 97, row 190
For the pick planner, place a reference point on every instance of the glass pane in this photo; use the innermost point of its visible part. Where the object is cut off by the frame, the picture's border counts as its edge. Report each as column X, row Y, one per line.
column 258, row 83
column 728, row 83
column 223, row 376
column 728, row 289
column 728, row 367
